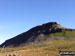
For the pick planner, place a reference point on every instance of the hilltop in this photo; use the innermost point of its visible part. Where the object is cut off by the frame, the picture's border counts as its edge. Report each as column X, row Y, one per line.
column 46, row 32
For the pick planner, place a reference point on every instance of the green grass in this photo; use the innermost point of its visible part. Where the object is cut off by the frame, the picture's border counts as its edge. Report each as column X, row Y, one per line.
column 67, row 34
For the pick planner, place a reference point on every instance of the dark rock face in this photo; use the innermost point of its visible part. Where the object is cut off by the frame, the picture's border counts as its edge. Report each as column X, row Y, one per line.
column 36, row 34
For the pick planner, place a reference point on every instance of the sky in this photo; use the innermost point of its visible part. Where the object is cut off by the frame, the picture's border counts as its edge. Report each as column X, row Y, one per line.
column 17, row 16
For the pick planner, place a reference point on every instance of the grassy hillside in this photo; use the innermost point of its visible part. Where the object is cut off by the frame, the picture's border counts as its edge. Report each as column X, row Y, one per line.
column 45, row 40
column 69, row 35
column 42, row 49
column 45, row 32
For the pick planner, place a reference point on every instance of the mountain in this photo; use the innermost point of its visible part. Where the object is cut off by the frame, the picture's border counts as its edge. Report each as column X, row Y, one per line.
column 46, row 32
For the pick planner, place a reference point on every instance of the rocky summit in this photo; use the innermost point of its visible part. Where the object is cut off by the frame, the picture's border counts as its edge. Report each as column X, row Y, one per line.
column 40, row 33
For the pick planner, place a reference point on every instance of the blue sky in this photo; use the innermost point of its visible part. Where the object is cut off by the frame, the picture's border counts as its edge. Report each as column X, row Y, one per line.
column 17, row 16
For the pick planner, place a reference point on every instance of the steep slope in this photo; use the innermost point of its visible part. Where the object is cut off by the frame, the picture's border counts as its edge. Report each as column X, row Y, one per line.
column 37, row 34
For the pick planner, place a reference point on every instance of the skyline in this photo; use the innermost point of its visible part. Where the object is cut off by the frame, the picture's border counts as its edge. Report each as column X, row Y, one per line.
column 18, row 16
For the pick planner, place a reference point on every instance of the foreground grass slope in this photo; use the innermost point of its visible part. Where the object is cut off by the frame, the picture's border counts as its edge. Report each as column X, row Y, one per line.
column 51, row 48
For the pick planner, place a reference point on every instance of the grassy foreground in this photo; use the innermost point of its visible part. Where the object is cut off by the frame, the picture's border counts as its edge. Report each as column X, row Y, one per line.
column 42, row 49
